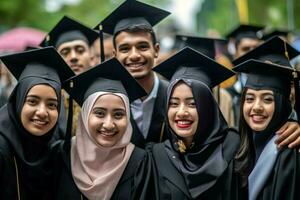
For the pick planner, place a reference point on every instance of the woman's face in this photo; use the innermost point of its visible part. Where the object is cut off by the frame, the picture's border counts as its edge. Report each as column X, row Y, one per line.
column 108, row 121
column 258, row 108
column 182, row 113
column 40, row 110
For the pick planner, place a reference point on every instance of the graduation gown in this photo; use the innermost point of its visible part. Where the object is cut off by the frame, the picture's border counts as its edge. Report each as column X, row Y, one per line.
column 284, row 180
column 10, row 182
column 157, row 119
column 170, row 184
column 132, row 185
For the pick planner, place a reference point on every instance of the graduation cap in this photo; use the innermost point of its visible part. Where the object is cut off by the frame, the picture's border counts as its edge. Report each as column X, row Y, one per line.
column 274, row 33
column 68, row 29
column 267, row 75
column 244, row 31
column 132, row 13
column 45, row 63
column 274, row 50
column 202, row 44
column 191, row 64
column 109, row 76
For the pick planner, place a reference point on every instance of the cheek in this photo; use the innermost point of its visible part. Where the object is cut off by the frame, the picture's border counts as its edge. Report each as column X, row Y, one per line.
column 54, row 115
column 122, row 125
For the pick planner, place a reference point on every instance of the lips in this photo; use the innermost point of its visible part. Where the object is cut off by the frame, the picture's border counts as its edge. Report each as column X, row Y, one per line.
column 258, row 118
column 107, row 134
column 39, row 123
column 183, row 123
column 136, row 65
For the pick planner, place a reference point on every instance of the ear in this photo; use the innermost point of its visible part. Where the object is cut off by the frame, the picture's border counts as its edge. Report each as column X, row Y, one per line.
column 114, row 52
column 156, row 49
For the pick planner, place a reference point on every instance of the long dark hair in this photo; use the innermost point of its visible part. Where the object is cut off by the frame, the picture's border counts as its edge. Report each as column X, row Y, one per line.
column 245, row 156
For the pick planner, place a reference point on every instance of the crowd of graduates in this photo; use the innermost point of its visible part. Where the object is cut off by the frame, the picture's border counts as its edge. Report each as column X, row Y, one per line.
column 97, row 113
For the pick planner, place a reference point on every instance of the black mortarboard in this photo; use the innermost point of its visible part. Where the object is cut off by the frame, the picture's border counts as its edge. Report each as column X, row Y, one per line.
column 274, row 33
column 244, row 31
column 68, row 29
column 202, row 44
column 274, row 50
column 132, row 13
column 109, row 76
column 45, row 63
column 191, row 64
column 266, row 75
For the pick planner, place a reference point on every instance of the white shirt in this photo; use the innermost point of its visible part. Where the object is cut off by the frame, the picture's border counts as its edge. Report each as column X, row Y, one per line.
column 142, row 110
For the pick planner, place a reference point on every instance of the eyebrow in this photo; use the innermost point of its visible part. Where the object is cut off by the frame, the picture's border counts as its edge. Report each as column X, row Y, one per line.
column 116, row 109
column 35, row 96
column 187, row 98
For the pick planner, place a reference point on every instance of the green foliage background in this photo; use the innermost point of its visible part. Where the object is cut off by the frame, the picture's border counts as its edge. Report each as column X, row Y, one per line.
column 216, row 14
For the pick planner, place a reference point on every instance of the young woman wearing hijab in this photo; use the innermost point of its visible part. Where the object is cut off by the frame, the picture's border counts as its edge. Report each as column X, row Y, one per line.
column 196, row 162
column 102, row 163
column 29, row 124
column 265, row 170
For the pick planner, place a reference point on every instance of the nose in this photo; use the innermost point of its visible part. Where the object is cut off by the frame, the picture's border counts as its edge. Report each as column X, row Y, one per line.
column 257, row 107
column 42, row 111
column 182, row 111
column 73, row 56
column 134, row 54
column 108, row 123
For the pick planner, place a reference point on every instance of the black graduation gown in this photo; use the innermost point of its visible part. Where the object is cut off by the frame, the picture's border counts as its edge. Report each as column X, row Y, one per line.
column 170, row 184
column 132, row 185
column 284, row 180
column 9, row 179
column 157, row 120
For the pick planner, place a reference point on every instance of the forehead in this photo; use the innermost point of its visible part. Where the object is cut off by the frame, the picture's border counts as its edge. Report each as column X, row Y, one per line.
column 133, row 37
column 182, row 89
column 109, row 101
column 248, row 42
column 258, row 92
column 42, row 90
column 73, row 43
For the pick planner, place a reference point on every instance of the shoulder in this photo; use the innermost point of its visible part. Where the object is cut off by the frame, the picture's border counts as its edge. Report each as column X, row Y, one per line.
column 5, row 148
column 231, row 144
column 163, row 84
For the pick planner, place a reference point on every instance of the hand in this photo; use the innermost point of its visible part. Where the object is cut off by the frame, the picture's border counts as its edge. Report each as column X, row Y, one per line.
column 288, row 134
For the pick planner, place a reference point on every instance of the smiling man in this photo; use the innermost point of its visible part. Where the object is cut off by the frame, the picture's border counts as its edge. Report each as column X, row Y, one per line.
column 73, row 41
column 136, row 47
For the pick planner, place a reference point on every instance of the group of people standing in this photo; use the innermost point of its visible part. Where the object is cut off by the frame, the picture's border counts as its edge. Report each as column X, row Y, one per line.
column 141, row 131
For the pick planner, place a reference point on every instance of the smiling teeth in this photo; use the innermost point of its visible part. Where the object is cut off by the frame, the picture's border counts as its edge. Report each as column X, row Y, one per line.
column 183, row 122
column 39, row 122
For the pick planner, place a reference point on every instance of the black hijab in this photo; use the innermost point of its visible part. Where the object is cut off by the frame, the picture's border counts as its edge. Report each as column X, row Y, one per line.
column 32, row 153
column 204, row 162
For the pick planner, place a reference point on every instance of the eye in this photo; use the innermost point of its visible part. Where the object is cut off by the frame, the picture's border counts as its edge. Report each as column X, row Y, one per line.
column 173, row 103
column 80, row 49
column 144, row 46
column 119, row 115
column 31, row 101
column 99, row 113
column 192, row 104
column 53, row 105
column 268, row 99
column 64, row 52
column 249, row 99
column 123, row 49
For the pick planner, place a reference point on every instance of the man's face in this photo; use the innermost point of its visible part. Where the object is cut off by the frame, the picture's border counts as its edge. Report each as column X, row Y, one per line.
column 246, row 45
column 136, row 52
column 77, row 55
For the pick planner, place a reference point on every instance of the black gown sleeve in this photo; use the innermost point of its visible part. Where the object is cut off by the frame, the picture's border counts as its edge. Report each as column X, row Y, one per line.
column 284, row 182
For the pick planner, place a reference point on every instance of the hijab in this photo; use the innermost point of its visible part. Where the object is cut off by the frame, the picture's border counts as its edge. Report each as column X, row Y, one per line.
column 202, row 163
column 33, row 153
column 96, row 169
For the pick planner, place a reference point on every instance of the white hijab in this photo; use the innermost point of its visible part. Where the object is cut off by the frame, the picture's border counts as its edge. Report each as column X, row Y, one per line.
column 96, row 169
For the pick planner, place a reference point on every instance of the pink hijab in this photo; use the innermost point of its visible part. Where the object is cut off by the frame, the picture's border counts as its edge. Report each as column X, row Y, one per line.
column 96, row 169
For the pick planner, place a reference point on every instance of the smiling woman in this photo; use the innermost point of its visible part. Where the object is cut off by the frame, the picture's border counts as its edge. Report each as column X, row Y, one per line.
column 29, row 124
column 196, row 161
column 102, row 162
